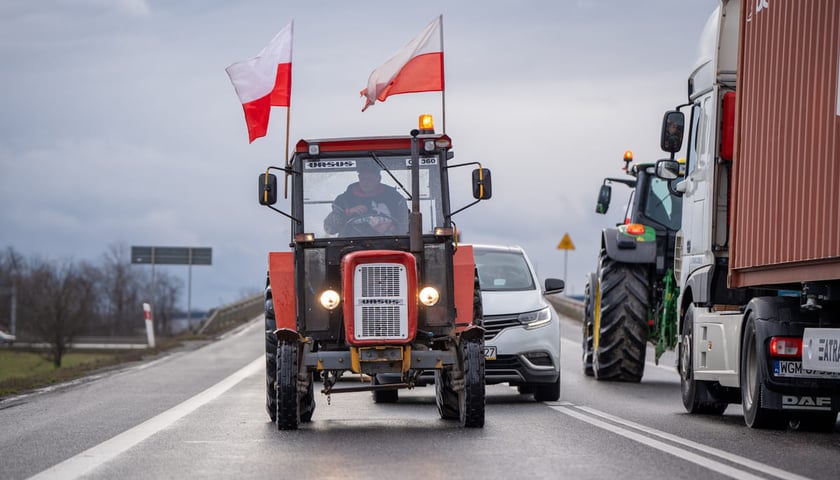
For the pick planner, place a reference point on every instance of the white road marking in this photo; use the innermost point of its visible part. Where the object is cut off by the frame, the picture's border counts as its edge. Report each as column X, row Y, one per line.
column 93, row 457
column 704, row 461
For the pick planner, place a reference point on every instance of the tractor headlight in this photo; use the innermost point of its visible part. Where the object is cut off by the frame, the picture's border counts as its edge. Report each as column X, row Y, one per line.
column 537, row 319
column 429, row 296
column 330, row 299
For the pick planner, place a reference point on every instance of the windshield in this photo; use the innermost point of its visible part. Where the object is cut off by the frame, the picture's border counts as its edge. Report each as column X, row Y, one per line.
column 502, row 270
column 663, row 207
column 353, row 197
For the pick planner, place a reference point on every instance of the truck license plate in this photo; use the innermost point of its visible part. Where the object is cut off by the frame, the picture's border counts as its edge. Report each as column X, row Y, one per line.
column 821, row 349
column 489, row 352
column 789, row 368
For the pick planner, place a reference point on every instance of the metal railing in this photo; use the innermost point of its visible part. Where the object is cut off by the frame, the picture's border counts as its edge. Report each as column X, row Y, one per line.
column 567, row 306
column 232, row 315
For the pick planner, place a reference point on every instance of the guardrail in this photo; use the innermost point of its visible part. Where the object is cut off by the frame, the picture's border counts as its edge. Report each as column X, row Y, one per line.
column 567, row 306
column 233, row 314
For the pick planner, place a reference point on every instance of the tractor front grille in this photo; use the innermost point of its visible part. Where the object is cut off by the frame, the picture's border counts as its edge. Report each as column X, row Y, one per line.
column 381, row 301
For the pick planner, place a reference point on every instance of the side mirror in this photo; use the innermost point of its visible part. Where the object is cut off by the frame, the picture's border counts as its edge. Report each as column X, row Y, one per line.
column 673, row 125
column 668, row 169
column 268, row 189
column 554, row 285
column 604, row 196
column 482, row 184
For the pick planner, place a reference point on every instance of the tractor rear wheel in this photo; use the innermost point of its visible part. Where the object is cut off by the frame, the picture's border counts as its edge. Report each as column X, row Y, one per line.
column 307, row 401
column 446, row 398
column 621, row 322
column 590, row 292
column 270, row 375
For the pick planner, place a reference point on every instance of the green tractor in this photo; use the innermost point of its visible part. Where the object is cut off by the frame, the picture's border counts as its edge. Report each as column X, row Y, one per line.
column 631, row 299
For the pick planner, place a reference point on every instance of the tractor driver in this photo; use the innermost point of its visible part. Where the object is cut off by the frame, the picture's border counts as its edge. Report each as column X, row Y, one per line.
column 368, row 207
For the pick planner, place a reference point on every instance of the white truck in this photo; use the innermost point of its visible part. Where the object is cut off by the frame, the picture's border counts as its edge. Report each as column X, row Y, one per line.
column 757, row 260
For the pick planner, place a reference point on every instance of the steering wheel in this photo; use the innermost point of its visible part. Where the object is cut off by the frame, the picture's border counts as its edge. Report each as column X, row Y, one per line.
column 366, row 223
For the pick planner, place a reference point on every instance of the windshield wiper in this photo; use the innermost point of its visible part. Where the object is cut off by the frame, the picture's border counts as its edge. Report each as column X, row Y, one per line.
column 383, row 167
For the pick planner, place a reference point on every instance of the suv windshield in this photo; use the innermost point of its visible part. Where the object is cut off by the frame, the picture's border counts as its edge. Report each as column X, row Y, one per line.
column 502, row 270
column 352, row 197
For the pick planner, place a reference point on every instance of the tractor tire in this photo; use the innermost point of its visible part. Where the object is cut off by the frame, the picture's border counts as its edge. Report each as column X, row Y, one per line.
column 752, row 378
column 288, row 401
column 590, row 292
column 270, row 375
column 472, row 399
column 621, row 321
column 446, row 398
column 697, row 395
column 307, row 402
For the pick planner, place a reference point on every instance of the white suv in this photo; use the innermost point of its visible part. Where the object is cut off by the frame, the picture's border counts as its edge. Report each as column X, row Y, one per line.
column 522, row 339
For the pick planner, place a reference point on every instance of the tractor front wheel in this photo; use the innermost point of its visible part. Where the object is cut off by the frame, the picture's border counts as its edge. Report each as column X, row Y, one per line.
column 288, row 405
column 471, row 400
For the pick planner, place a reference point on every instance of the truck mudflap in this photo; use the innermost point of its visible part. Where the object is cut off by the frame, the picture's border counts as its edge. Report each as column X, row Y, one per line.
column 798, row 402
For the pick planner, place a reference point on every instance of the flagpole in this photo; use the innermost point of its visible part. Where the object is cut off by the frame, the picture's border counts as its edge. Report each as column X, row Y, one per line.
column 288, row 116
column 443, row 77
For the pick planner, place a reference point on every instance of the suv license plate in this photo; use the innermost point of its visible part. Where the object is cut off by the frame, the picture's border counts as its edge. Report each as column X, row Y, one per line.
column 490, row 352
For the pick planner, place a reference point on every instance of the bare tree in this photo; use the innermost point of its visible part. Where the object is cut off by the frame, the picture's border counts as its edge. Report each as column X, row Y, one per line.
column 57, row 302
column 119, row 291
column 167, row 290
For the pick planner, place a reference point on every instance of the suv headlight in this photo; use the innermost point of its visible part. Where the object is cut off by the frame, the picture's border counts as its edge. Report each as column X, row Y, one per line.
column 537, row 319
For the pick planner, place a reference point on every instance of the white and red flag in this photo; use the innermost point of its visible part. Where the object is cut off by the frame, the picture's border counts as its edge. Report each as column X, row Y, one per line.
column 264, row 81
column 417, row 67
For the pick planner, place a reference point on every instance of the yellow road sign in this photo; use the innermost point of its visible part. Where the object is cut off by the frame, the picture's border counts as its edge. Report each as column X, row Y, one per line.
column 566, row 243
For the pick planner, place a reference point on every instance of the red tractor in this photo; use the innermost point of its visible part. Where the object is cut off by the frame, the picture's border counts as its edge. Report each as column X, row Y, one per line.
column 375, row 282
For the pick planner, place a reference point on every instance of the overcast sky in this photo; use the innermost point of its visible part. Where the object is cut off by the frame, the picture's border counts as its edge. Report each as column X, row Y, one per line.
column 120, row 126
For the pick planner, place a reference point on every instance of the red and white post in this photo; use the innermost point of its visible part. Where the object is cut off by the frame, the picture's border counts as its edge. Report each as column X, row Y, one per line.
column 150, row 330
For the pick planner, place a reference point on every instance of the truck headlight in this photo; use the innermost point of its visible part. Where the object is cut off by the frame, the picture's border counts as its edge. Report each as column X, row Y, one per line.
column 429, row 296
column 330, row 299
column 537, row 319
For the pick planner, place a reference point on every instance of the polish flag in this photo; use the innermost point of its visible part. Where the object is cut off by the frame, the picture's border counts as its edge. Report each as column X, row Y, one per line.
column 264, row 81
column 418, row 67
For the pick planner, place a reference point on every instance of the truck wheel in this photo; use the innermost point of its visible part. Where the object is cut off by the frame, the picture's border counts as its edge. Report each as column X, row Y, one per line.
column 471, row 400
column 589, row 293
column 288, row 406
column 752, row 378
column 384, row 396
column 270, row 375
column 307, row 402
column 621, row 321
column 697, row 396
column 547, row 392
column 446, row 398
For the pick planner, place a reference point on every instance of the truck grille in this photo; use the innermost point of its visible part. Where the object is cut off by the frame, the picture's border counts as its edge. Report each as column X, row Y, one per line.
column 381, row 302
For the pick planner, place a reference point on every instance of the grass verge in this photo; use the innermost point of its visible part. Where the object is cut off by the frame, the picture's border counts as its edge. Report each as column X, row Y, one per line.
column 24, row 370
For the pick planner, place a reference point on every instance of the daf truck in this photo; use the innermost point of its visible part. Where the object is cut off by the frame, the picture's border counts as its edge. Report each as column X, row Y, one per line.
column 757, row 259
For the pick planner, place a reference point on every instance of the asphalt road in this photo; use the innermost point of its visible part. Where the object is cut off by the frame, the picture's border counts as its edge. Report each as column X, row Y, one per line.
column 200, row 414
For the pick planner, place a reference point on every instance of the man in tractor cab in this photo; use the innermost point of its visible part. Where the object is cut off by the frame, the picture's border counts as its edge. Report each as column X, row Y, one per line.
column 368, row 207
